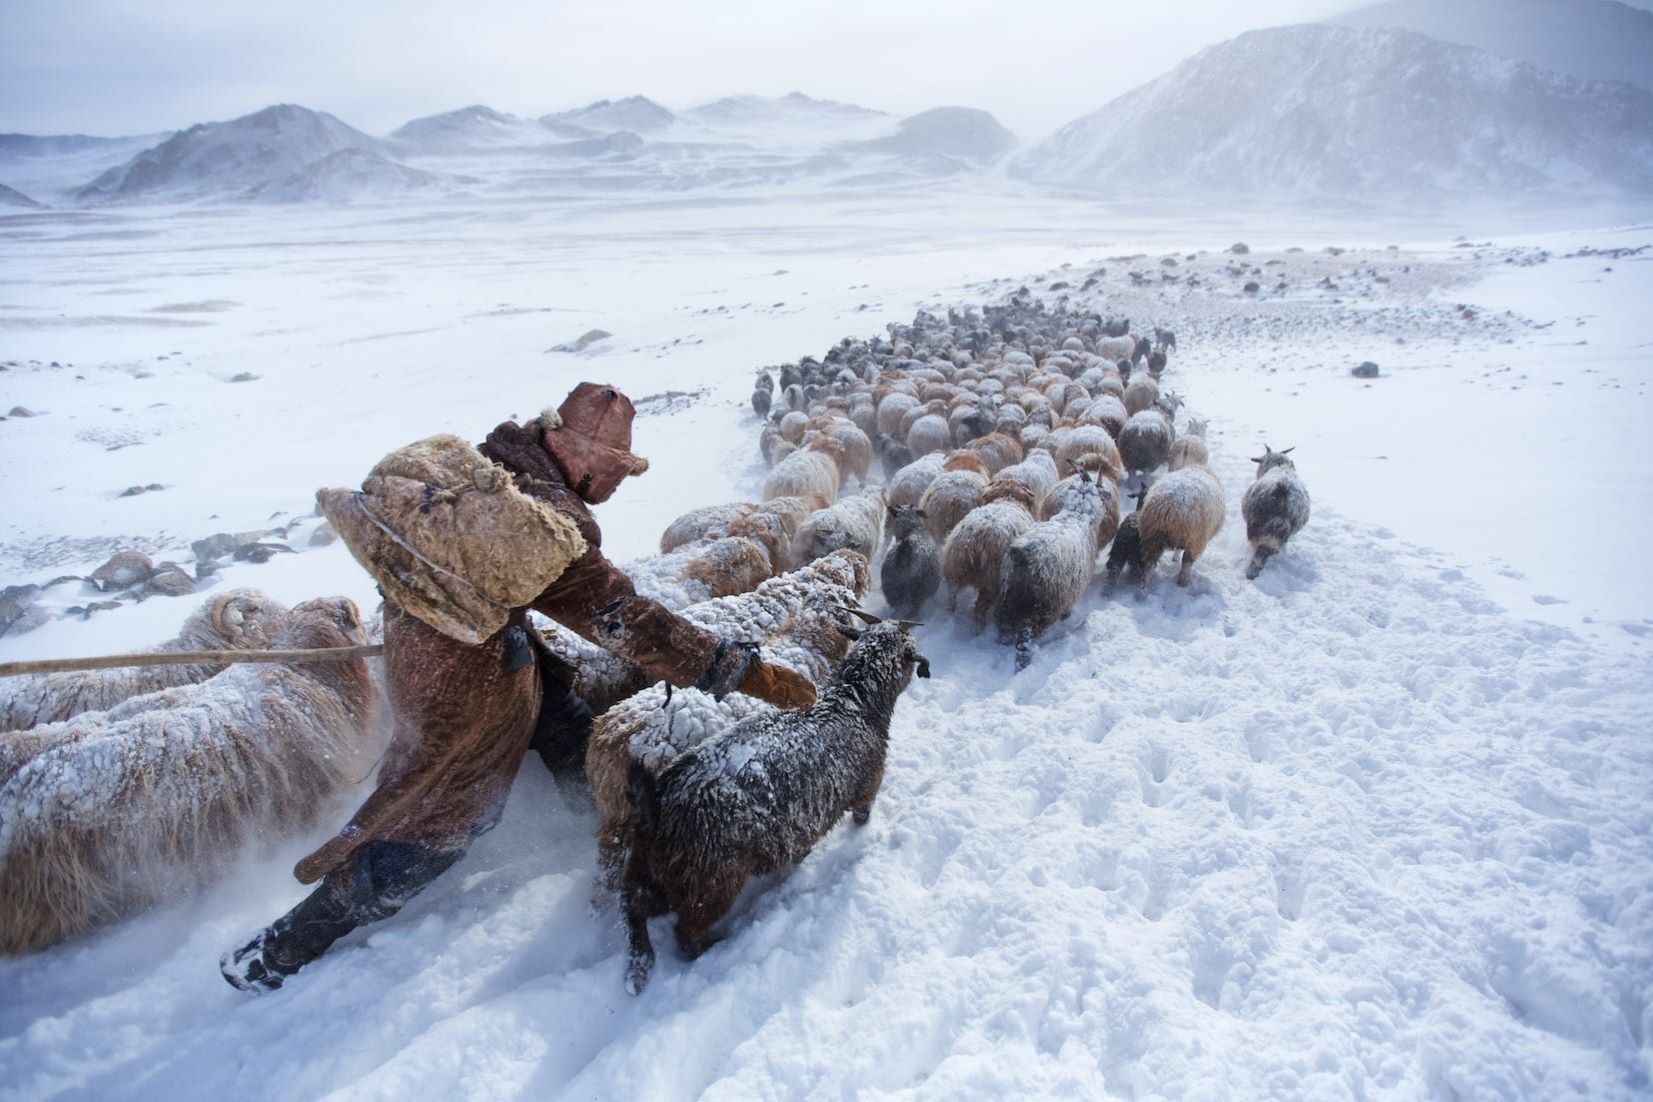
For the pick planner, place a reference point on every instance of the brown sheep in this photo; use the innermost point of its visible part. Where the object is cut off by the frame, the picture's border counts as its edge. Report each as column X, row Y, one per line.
column 948, row 499
column 1189, row 448
column 1141, row 394
column 998, row 451
column 1093, row 443
column 1183, row 511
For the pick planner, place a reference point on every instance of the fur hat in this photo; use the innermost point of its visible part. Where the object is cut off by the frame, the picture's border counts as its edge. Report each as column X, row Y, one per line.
column 590, row 436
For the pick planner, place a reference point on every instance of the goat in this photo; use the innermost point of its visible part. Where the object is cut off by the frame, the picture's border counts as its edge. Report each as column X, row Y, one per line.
column 1275, row 507
column 1125, row 553
column 973, row 557
column 1145, row 441
column 911, row 571
column 755, row 798
column 1047, row 568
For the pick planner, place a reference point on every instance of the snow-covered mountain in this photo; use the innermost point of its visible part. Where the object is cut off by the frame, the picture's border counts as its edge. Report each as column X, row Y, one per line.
column 1336, row 111
column 791, row 108
column 636, row 113
column 1587, row 39
column 221, row 159
column 12, row 198
column 351, row 175
column 469, row 128
column 51, row 165
column 962, row 132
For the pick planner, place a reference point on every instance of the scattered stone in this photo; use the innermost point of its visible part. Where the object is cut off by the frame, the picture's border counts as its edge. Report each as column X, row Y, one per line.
column 85, row 611
column 170, row 580
column 22, row 411
column 15, row 601
column 1365, row 370
column 323, row 536
column 220, row 544
column 134, row 491
column 243, row 377
column 261, row 552
column 1239, row 248
column 1251, row 287
column 123, row 570
column 584, row 341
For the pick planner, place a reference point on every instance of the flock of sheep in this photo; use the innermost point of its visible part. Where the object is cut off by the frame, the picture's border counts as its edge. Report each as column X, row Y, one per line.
column 1003, row 438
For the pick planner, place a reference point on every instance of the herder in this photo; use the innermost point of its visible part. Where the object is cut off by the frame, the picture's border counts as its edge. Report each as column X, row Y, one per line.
column 467, row 698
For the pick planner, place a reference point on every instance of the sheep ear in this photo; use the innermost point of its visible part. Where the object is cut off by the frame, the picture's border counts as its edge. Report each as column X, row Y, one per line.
column 891, row 510
column 1256, row 459
column 922, row 515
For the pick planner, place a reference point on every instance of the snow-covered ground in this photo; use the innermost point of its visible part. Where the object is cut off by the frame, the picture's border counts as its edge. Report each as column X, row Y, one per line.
column 1375, row 825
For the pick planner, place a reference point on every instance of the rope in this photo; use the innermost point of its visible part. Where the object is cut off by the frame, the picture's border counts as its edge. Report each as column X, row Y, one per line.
column 189, row 658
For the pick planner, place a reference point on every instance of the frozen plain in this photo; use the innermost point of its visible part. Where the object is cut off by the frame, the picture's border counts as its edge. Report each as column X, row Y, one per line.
column 1375, row 826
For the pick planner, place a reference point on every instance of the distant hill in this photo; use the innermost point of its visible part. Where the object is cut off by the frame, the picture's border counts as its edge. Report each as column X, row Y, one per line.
column 761, row 110
column 10, row 198
column 636, row 113
column 1337, row 111
column 468, row 128
column 959, row 132
column 1587, row 39
column 228, row 158
column 350, row 175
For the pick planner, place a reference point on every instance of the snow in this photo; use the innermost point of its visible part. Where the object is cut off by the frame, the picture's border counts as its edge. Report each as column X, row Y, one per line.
column 1373, row 825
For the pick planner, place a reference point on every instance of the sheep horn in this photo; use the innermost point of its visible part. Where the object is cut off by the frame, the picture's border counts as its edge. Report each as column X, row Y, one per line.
column 867, row 616
column 908, row 625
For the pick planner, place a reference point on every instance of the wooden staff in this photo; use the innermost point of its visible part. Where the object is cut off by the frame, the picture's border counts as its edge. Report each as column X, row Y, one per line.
column 189, row 658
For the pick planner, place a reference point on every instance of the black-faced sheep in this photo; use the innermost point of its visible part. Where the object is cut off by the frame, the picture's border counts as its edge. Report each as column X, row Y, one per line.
column 973, row 557
column 758, row 796
column 911, row 571
column 239, row 619
column 1275, row 507
column 119, row 809
column 1047, row 569
column 1183, row 511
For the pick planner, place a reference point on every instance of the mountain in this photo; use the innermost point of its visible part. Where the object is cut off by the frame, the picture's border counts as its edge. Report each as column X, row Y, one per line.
column 10, row 198
column 351, row 175
column 636, row 113
column 956, row 132
column 50, row 165
column 468, row 128
column 763, row 110
column 1338, row 111
column 227, row 158
column 1587, row 39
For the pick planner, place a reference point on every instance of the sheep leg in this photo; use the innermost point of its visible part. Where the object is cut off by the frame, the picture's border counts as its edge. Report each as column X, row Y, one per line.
column 1186, row 574
column 861, row 810
column 1259, row 555
column 641, row 902
column 984, row 609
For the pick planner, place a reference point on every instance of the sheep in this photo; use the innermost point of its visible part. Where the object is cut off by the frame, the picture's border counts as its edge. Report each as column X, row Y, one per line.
column 713, row 521
column 1183, row 511
column 973, row 556
column 1145, row 441
column 1189, row 448
column 1076, row 490
column 1141, row 394
column 239, row 619
column 116, row 810
column 891, row 457
column 762, row 396
column 1114, row 348
column 1037, row 472
column 793, row 426
column 911, row 571
column 695, row 572
column 1156, row 365
column 1047, row 569
column 1164, row 340
column 756, row 797
column 1275, row 507
column 795, row 619
column 856, row 445
column 805, row 473
column 929, row 434
column 997, row 450
column 796, row 400
column 891, row 408
column 1092, row 446
column 854, row 523
column 953, row 494
column 1107, row 411
column 908, row 484
column 1125, row 553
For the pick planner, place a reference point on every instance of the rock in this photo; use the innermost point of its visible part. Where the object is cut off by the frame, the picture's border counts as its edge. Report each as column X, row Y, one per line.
column 260, row 552
column 220, row 544
column 134, row 491
column 1239, row 248
column 15, row 601
column 243, row 377
column 124, row 569
column 85, row 611
column 323, row 535
column 1251, row 287
column 584, row 341
column 22, row 411
column 1366, row 370
column 171, row 580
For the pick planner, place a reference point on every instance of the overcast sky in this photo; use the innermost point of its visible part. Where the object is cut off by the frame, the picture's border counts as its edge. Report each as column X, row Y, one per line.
column 124, row 67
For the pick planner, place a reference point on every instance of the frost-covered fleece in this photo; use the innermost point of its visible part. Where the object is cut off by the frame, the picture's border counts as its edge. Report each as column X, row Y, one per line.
column 237, row 620
column 911, row 571
column 119, row 809
column 755, row 798
column 1183, row 511
column 1275, row 507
